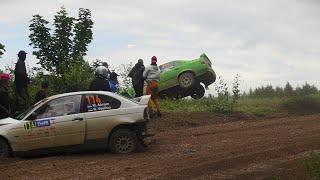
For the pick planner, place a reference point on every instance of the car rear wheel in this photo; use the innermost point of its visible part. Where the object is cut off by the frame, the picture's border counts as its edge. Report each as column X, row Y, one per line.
column 5, row 150
column 198, row 92
column 186, row 80
column 123, row 141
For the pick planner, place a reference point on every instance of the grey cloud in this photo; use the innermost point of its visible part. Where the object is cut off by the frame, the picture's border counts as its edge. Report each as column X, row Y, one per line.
column 265, row 41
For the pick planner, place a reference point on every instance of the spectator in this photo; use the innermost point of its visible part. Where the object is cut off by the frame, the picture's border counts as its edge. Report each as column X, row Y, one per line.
column 136, row 74
column 106, row 65
column 114, row 84
column 21, row 82
column 4, row 96
column 43, row 93
column 152, row 76
column 100, row 83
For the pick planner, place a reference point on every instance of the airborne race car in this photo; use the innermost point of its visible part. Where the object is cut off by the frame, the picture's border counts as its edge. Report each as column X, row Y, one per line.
column 80, row 119
column 182, row 78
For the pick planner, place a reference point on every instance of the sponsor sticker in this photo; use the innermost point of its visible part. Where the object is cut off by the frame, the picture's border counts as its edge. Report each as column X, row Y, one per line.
column 38, row 123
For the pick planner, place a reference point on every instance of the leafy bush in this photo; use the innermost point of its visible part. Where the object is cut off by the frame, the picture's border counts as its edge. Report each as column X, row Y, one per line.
column 312, row 166
column 302, row 105
column 2, row 49
column 224, row 103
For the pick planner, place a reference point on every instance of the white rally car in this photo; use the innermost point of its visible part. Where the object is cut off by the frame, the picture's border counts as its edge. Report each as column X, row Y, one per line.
column 90, row 119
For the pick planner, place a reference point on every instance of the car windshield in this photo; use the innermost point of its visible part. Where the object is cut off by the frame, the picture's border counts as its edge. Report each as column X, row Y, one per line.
column 22, row 115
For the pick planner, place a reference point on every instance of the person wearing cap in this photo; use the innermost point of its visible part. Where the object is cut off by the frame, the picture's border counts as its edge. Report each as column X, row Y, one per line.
column 113, row 80
column 136, row 75
column 4, row 96
column 152, row 76
column 21, row 82
column 43, row 93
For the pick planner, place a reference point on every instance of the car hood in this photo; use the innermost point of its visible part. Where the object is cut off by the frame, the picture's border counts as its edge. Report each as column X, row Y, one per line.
column 8, row 121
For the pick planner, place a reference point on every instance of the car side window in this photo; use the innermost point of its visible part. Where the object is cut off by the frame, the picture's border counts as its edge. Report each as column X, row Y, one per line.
column 99, row 102
column 168, row 66
column 58, row 107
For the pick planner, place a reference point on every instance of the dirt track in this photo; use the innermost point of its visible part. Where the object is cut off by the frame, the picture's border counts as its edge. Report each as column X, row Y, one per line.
column 246, row 149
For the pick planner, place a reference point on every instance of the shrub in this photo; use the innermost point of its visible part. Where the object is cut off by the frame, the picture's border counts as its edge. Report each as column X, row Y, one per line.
column 302, row 105
column 225, row 102
column 312, row 166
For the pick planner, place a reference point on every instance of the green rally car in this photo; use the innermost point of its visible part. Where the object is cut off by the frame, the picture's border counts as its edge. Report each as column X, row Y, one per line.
column 183, row 78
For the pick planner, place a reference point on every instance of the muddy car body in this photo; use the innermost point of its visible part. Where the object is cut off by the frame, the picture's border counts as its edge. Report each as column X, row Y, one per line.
column 90, row 118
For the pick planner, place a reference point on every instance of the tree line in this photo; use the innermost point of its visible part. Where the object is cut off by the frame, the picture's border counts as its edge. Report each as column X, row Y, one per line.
column 286, row 91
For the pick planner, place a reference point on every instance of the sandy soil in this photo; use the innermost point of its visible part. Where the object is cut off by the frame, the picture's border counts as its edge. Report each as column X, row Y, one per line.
column 212, row 148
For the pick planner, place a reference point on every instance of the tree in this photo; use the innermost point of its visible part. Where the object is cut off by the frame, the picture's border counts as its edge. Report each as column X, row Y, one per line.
column 288, row 90
column 2, row 50
column 66, row 45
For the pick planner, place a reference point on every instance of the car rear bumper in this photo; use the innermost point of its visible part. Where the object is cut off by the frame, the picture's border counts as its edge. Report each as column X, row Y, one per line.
column 207, row 78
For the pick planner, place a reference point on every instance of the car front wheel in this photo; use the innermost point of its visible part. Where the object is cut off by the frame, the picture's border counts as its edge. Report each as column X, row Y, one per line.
column 198, row 92
column 186, row 80
column 5, row 150
column 123, row 141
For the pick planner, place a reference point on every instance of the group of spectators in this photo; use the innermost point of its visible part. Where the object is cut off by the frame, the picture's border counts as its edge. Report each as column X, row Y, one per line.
column 104, row 81
column 151, row 75
column 139, row 75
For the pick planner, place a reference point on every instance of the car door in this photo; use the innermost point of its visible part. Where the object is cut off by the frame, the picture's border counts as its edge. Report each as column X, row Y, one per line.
column 67, row 122
column 102, row 113
column 169, row 73
column 70, row 122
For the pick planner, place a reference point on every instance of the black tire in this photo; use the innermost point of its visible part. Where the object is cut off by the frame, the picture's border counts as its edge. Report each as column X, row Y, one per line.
column 5, row 150
column 198, row 92
column 186, row 80
column 123, row 141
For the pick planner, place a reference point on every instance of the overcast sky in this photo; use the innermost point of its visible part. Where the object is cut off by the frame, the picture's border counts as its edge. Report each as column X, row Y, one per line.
column 265, row 41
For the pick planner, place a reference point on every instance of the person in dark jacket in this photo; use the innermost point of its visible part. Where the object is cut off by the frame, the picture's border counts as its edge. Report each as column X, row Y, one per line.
column 100, row 82
column 136, row 74
column 43, row 93
column 4, row 96
column 21, row 82
column 114, row 83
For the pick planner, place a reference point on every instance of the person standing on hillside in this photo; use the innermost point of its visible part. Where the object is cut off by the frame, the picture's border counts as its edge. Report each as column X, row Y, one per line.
column 106, row 65
column 136, row 74
column 21, row 82
column 43, row 93
column 114, row 83
column 4, row 96
column 152, row 76
column 100, row 82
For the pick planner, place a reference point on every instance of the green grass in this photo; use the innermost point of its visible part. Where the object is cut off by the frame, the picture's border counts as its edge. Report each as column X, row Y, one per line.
column 249, row 106
column 259, row 106
column 184, row 105
column 311, row 166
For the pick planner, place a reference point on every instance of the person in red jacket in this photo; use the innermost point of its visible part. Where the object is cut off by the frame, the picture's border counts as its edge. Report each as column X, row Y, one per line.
column 4, row 96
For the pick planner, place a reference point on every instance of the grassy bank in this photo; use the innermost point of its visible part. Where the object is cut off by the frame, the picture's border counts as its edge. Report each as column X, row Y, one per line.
column 251, row 106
